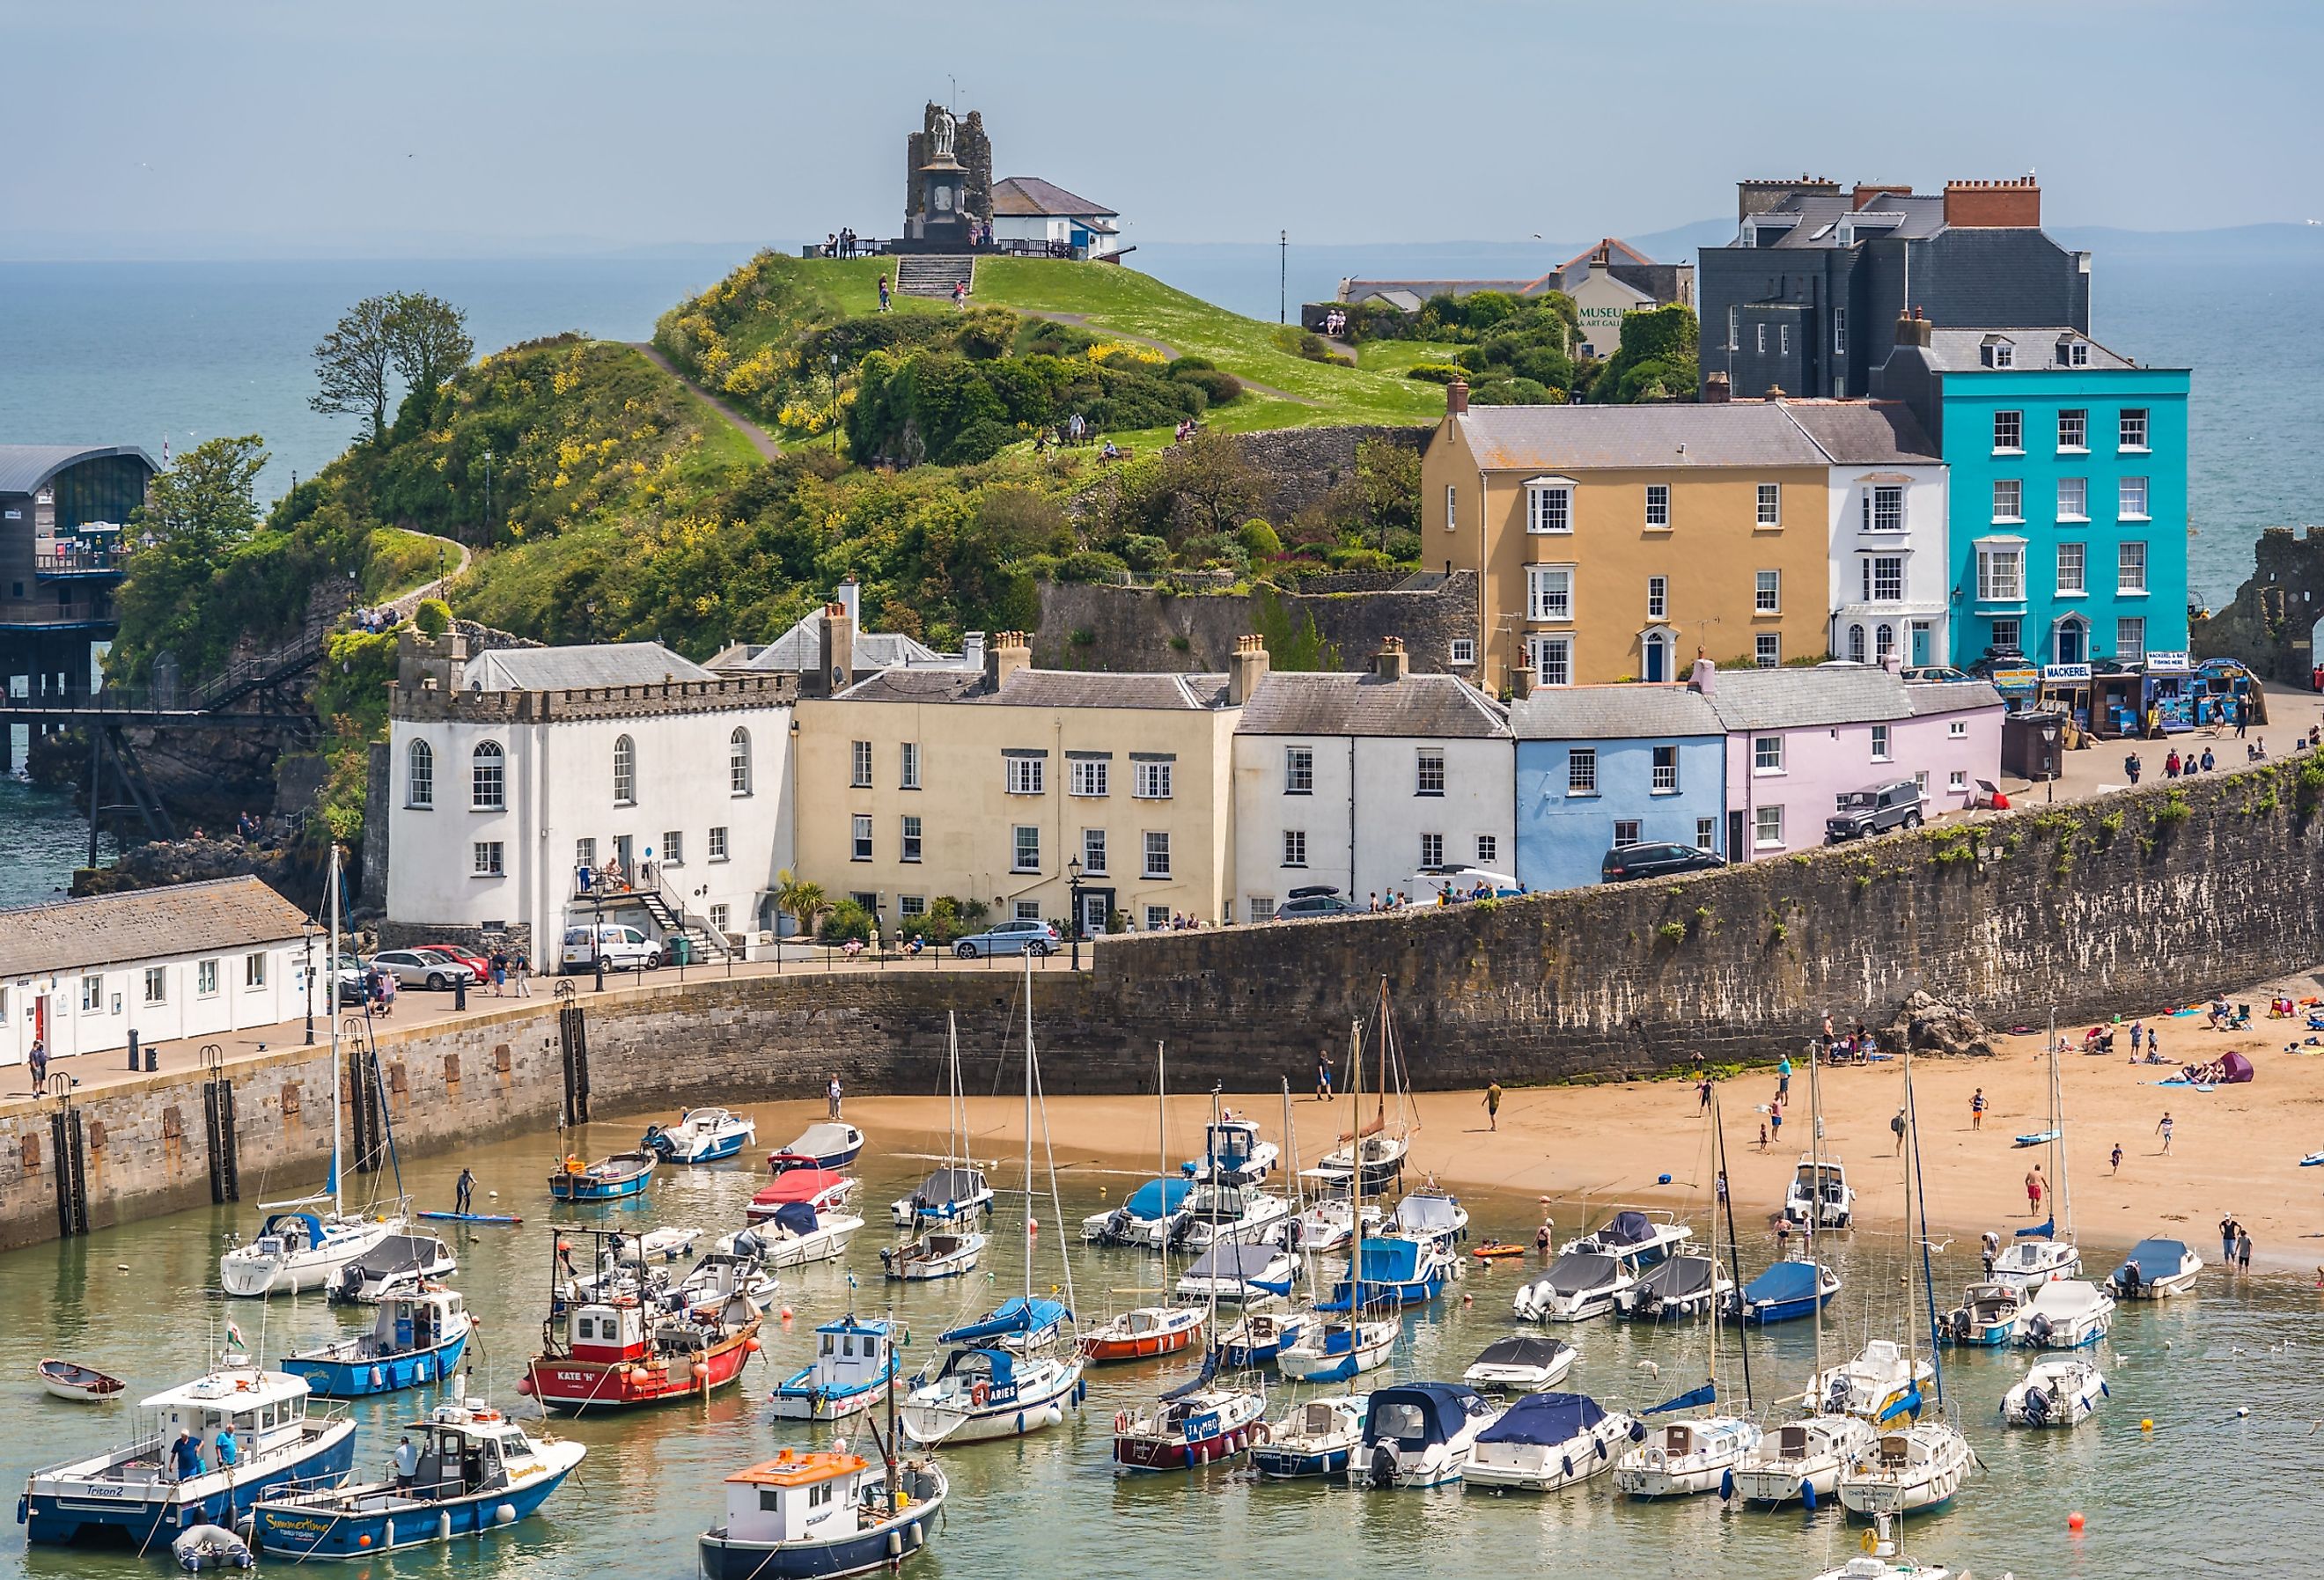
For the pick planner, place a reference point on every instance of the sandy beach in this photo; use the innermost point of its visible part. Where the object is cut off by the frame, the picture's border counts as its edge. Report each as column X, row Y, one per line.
column 2233, row 1150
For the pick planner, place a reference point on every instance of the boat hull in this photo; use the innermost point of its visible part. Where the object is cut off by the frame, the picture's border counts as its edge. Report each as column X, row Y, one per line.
column 575, row 1188
column 303, row 1531
column 1773, row 1486
column 798, row 1403
column 1140, row 1346
column 1342, row 1366
column 1285, row 1462
column 929, row 1425
column 565, row 1384
column 1137, row 1451
column 254, row 1278
column 1543, row 1469
column 892, row 1542
column 358, row 1379
column 64, row 1511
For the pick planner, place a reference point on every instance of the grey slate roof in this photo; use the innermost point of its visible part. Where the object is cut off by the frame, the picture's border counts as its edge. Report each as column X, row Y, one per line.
column 1422, row 707
column 1018, row 196
column 1508, row 439
column 1789, row 699
column 1045, row 688
column 1925, row 697
column 574, row 669
column 24, row 467
column 800, row 649
column 1865, row 432
column 143, row 924
column 1821, row 214
column 1959, row 351
column 1613, row 713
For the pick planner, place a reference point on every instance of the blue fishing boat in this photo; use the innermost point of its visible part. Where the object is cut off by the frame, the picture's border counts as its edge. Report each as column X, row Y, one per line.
column 417, row 1340
column 614, row 1179
column 1259, row 1337
column 1152, row 1217
column 830, row 1145
column 823, row 1515
column 1787, row 1290
column 170, row 1477
column 854, row 1368
column 471, row 1470
column 1397, row 1272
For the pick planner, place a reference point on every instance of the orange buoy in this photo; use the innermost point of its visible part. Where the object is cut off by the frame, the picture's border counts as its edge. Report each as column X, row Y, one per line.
column 752, row 1343
column 1032, row 1227
column 2074, row 1522
column 787, row 1314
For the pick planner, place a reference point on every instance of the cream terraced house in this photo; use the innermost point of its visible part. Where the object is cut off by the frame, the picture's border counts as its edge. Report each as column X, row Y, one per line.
column 916, row 784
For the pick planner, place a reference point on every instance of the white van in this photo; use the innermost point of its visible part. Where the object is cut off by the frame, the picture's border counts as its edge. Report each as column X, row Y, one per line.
column 1464, row 884
column 618, row 947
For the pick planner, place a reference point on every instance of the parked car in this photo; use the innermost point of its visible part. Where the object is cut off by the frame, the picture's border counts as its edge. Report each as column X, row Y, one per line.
column 610, row 945
column 351, row 979
column 1010, row 938
column 481, row 964
column 421, row 968
column 1309, row 907
column 1935, row 672
column 1874, row 810
column 1654, row 860
column 1996, row 659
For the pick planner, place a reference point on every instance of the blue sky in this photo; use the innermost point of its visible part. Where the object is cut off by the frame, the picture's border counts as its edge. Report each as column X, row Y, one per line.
column 493, row 125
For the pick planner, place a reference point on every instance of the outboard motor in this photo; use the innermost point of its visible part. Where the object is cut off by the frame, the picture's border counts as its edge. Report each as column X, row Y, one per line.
column 1383, row 1465
column 1960, row 1320
column 2038, row 1325
column 1836, row 1400
column 2037, row 1407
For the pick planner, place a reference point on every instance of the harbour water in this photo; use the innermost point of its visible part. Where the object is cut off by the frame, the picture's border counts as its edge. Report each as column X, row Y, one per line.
column 2206, row 1491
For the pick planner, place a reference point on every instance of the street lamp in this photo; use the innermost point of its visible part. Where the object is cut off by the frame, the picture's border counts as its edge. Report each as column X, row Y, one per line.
column 307, row 950
column 1073, row 898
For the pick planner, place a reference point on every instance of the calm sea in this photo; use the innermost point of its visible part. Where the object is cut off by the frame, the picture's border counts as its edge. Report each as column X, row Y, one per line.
column 137, row 353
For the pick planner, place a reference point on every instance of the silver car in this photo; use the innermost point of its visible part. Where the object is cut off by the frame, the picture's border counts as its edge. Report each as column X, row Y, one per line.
column 1010, row 938
column 421, row 968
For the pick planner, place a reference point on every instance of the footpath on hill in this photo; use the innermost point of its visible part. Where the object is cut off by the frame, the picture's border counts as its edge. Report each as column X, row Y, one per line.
column 761, row 440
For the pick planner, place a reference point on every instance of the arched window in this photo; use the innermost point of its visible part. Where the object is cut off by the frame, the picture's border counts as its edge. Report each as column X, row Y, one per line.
column 625, row 771
column 420, row 776
column 1884, row 641
column 487, row 777
column 1855, row 644
column 738, row 763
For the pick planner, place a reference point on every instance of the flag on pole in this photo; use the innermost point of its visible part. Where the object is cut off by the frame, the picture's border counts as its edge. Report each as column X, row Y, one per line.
column 234, row 1341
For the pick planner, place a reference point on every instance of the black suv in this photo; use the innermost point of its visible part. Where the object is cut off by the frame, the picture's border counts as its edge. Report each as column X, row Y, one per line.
column 1624, row 862
column 1874, row 809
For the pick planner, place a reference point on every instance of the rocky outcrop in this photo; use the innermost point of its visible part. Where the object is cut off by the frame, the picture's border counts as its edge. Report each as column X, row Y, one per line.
column 1927, row 1025
column 289, row 869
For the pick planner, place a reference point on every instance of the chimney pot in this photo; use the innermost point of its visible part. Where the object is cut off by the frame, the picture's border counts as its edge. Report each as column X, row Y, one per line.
column 1245, row 670
column 1716, row 389
column 1704, row 677
column 1011, row 651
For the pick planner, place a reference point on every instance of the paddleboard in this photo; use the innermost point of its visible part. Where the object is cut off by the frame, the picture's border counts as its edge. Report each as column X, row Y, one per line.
column 473, row 1218
column 1493, row 1248
column 2038, row 1139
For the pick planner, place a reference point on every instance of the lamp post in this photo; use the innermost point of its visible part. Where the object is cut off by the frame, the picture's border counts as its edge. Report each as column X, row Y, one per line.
column 2050, row 732
column 307, row 950
column 597, row 940
column 1073, row 898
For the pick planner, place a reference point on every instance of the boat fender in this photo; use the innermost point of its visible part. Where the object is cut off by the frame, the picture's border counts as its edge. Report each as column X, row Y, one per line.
column 916, row 1538
column 504, row 1514
column 1638, row 1431
column 377, row 1378
column 422, row 1372
column 444, row 1526
column 1601, row 1448
column 1569, row 1462
column 1726, row 1485
column 1807, row 1493
column 1261, row 1433
column 895, row 1544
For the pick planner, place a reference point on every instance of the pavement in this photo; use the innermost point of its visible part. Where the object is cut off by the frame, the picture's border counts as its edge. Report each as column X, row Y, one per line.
column 2098, row 768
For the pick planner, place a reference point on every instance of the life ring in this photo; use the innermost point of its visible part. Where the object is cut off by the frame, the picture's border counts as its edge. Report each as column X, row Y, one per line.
column 1261, row 1433
column 1121, row 1422
column 979, row 1392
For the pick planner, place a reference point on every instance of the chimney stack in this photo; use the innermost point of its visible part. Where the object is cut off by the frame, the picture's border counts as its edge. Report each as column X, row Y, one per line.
column 1392, row 662
column 971, row 651
column 851, row 598
column 1011, row 651
column 1868, row 193
column 1245, row 670
column 1456, row 398
column 837, row 652
column 1716, row 389
column 1993, row 205
column 1520, row 682
column 1703, row 680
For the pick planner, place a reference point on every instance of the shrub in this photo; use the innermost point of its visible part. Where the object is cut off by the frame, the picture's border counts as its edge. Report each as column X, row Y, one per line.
column 1258, row 539
column 1092, row 564
column 2173, row 811
column 1144, row 551
column 1215, row 550
column 847, row 922
column 1082, row 636
column 1672, row 932
column 1303, row 343
column 980, row 441
column 1436, row 372
column 1344, row 559
column 1510, row 393
column 434, row 616
column 1218, row 388
column 1181, row 644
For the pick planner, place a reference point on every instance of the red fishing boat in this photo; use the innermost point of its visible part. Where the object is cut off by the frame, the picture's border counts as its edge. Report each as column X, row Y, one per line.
column 611, row 1341
column 1143, row 1332
column 826, row 1190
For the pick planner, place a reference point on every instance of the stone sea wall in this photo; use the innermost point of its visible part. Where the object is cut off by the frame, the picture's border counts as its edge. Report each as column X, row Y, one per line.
column 2156, row 895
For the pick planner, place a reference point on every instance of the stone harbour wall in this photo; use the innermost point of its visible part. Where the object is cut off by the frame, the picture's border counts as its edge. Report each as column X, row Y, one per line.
column 2144, row 898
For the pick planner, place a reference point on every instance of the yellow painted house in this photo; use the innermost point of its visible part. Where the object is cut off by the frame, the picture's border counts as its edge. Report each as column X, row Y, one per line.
column 1617, row 542
column 986, row 784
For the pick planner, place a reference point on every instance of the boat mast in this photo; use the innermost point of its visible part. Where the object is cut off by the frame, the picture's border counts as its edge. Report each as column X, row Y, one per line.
column 337, row 1210
column 1912, row 1126
column 1162, row 1150
column 1734, row 1253
column 1816, row 1203
column 1355, row 1176
column 2058, row 1141
column 1029, row 1141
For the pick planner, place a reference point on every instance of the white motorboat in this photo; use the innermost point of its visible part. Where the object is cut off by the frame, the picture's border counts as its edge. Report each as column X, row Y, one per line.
column 1685, row 1457
column 1881, row 1560
column 1431, row 1214
column 398, row 1265
column 1316, row 1440
column 1522, row 1363
column 701, row 1135
column 819, row 1513
column 1546, row 1441
column 2063, row 1392
column 2065, row 1314
column 1633, row 1239
column 2038, row 1253
column 299, row 1251
column 1911, row 1469
column 1822, row 1188
column 1420, row 1435
column 1150, row 1217
column 1803, row 1460
column 1681, row 1288
column 1985, row 1319
column 1870, row 1386
column 671, row 1243
column 796, row 1233
column 932, row 1257
column 1217, row 1214
column 1233, row 1271
column 1339, row 1350
column 1329, row 1220
column 1234, row 1153
column 826, row 1144
column 2157, row 1270
column 2035, row 1260
column 1576, row 1287
column 733, row 1266
column 854, row 1369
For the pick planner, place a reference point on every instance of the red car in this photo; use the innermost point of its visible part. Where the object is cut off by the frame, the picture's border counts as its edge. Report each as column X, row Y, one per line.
column 475, row 962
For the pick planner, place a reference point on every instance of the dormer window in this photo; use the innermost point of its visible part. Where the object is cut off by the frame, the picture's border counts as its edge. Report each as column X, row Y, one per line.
column 1997, row 352
column 2073, row 353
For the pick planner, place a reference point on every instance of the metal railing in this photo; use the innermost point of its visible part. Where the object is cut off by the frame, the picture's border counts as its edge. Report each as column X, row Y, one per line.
column 81, row 562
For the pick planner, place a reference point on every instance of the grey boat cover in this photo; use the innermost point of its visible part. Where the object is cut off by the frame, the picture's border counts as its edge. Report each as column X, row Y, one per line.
column 947, row 1186
column 1234, row 1261
column 1578, row 1271
column 397, row 1253
column 1417, row 1215
column 1522, row 1352
column 1679, row 1278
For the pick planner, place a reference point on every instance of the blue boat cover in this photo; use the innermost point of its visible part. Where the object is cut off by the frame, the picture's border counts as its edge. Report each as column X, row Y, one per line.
column 1390, row 1261
column 798, row 1217
column 1781, row 1283
column 1626, row 1229
column 1002, row 1364
column 1018, row 1314
column 1416, row 1414
column 277, row 1221
column 2047, row 1229
column 1157, row 1198
column 1427, row 1215
column 2155, row 1259
column 1544, row 1420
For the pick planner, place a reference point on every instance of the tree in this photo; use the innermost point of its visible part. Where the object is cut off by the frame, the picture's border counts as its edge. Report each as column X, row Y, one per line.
column 1213, row 482
column 428, row 342
column 195, row 515
column 355, row 362
column 1656, row 361
column 801, row 899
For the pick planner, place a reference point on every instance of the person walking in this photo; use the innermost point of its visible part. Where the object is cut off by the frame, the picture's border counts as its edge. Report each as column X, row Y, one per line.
column 2114, row 1161
column 499, row 964
column 1323, row 1077
column 2242, row 714
column 37, row 1062
column 521, row 968
column 2227, row 1238
column 387, row 986
column 1702, row 1095
column 1976, row 1110
column 2163, row 1130
column 464, row 1193
column 1493, row 1104
column 831, row 1093
column 1775, row 1122
column 1896, row 1129
column 2131, row 766
column 2242, row 1249
column 2033, row 1184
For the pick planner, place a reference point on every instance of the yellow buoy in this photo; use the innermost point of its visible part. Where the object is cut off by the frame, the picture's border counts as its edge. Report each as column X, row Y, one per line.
column 2147, row 1425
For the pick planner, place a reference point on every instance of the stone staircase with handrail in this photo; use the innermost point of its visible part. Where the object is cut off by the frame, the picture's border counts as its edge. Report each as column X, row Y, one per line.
column 933, row 274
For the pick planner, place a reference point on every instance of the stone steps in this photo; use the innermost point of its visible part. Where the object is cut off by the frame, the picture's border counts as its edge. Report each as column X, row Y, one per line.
column 933, row 274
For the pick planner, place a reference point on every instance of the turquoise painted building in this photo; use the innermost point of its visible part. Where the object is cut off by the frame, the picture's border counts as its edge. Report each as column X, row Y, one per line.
column 1599, row 766
column 2068, row 513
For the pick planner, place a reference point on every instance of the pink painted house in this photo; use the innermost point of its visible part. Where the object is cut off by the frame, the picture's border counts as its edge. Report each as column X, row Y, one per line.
column 1799, row 739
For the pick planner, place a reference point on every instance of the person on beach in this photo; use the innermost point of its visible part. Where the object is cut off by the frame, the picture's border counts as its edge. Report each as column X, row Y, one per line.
column 1775, row 1119
column 1323, row 1077
column 1896, row 1129
column 2137, row 1037
column 1763, row 1135
column 1702, row 1095
column 1783, row 1078
column 1541, row 1238
column 2114, row 1162
column 831, row 1093
column 1493, row 1104
column 2163, row 1130
column 1976, row 1110
column 2033, row 1184
column 2242, row 1249
column 2227, row 1238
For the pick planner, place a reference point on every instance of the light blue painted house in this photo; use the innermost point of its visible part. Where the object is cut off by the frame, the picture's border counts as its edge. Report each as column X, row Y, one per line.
column 1604, row 765
column 2068, row 486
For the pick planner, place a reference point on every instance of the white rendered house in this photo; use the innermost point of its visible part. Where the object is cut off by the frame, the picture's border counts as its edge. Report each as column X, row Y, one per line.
column 513, row 769
column 1887, row 496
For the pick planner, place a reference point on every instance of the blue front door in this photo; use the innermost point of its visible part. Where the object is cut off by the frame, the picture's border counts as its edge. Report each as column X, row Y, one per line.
column 1920, row 645
column 1655, row 663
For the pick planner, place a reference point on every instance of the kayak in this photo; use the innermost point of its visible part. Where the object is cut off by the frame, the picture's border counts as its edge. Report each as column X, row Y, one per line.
column 473, row 1218
column 1497, row 1248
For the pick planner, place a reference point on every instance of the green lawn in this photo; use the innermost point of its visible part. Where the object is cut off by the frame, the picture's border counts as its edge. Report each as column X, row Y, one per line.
column 1396, row 356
